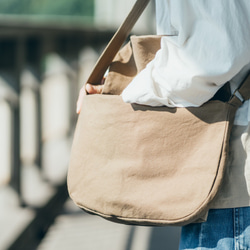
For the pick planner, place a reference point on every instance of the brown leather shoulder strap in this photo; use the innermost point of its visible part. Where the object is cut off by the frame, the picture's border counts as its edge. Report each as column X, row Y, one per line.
column 242, row 93
column 116, row 42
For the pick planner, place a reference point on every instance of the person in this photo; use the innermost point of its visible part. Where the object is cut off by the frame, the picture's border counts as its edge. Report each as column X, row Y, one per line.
column 204, row 45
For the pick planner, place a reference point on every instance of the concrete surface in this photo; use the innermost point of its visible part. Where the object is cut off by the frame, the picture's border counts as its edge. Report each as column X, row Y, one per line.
column 76, row 230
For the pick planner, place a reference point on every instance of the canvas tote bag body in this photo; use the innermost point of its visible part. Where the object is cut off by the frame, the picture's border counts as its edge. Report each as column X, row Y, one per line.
column 142, row 165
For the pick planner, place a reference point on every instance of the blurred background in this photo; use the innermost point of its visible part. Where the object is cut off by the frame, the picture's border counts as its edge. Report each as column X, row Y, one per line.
column 47, row 50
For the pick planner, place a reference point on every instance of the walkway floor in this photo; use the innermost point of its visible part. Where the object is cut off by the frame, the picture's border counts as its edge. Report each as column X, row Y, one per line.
column 76, row 230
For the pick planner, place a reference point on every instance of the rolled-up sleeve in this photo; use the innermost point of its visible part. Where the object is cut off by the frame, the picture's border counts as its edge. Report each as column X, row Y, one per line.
column 210, row 46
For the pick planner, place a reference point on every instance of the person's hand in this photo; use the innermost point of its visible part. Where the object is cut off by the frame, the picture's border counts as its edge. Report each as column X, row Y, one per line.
column 90, row 89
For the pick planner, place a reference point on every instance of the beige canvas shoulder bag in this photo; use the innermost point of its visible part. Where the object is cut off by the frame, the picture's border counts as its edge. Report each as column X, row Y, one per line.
column 142, row 165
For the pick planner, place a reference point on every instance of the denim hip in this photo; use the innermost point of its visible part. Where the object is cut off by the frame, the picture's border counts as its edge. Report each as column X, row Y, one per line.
column 225, row 229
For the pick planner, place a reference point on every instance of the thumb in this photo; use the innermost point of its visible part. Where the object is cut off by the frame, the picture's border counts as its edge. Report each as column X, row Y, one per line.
column 94, row 89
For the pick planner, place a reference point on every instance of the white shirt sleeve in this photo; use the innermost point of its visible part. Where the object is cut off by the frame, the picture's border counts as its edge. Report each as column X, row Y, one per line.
column 210, row 46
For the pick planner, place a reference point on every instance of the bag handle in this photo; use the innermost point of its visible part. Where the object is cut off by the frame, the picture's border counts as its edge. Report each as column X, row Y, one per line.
column 116, row 42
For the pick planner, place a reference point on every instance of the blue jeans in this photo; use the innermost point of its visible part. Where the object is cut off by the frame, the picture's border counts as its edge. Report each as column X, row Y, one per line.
column 225, row 229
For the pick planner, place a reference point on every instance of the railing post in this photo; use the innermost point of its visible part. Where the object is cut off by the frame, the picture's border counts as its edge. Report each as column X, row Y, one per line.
column 9, row 101
column 35, row 191
column 12, row 56
column 56, row 117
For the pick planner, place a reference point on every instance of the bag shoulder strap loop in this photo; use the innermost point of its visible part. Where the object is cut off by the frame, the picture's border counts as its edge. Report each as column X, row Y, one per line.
column 242, row 93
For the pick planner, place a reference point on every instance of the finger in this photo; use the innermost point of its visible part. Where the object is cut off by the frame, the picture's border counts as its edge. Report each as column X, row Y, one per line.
column 82, row 93
column 94, row 89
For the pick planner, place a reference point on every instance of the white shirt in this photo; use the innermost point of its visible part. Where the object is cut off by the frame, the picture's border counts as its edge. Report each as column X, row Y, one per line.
column 209, row 45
